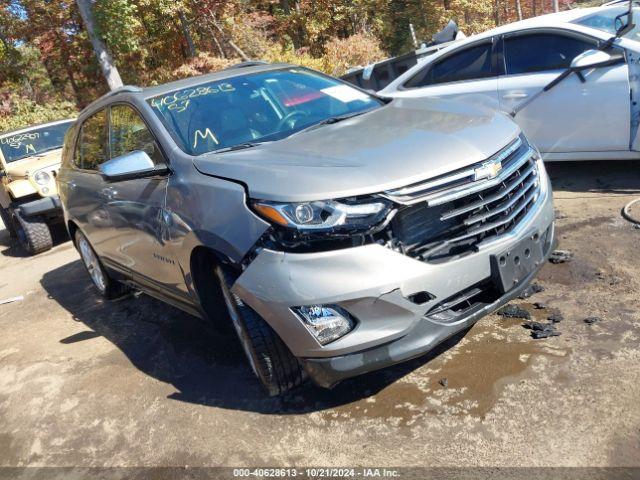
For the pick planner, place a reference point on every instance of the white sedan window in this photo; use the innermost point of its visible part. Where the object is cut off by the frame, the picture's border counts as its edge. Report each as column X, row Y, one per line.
column 542, row 52
column 469, row 64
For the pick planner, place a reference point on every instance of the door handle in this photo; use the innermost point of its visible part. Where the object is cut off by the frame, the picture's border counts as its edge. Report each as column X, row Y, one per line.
column 515, row 96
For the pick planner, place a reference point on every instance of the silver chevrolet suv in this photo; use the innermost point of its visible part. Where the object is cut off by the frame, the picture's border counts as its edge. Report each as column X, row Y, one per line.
column 336, row 232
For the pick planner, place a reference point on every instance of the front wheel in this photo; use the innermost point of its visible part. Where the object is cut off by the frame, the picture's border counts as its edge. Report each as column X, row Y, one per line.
column 271, row 361
column 33, row 233
column 5, row 215
column 107, row 286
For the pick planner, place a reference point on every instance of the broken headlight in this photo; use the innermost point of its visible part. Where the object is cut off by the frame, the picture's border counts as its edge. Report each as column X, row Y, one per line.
column 329, row 215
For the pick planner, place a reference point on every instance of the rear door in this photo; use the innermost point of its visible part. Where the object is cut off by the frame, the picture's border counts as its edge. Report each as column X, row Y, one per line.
column 573, row 117
column 468, row 74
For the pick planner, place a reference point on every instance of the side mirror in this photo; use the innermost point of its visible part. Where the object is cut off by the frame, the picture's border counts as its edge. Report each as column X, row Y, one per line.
column 132, row 165
column 593, row 59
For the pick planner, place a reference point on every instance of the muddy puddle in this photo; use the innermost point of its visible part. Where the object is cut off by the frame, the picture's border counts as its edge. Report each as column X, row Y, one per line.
column 475, row 373
column 577, row 271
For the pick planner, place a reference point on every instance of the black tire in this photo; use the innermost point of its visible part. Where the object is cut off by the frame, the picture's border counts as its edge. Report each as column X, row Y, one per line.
column 8, row 222
column 33, row 233
column 271, row 361
column 108, row 287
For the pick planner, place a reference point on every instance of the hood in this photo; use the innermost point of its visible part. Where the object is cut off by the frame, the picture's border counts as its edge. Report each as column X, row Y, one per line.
column 404, row 142
column 49, row 161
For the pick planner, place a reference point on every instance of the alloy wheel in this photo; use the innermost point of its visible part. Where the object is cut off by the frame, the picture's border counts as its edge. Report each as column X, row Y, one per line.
column 93, row 265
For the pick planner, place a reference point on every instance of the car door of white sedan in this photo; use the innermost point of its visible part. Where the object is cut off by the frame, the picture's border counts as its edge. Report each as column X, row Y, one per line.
column 573, row 117
column 467, row 74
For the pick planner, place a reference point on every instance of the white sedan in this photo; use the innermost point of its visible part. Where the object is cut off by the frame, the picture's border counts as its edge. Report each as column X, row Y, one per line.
column 592, row 114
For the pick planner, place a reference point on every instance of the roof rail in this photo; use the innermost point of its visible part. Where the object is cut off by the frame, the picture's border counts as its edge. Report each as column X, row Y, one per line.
column 124, row 88
column 250, row 63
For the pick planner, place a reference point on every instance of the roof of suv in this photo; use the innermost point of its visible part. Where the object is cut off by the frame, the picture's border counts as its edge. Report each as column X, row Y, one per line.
column 233, row 71
column 243, row 68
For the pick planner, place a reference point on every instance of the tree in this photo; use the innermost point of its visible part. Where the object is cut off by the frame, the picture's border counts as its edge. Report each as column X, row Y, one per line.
column 109, row 70
column 187, row 34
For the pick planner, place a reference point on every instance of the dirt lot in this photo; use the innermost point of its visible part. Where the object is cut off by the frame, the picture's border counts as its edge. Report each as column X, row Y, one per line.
column 137, row 383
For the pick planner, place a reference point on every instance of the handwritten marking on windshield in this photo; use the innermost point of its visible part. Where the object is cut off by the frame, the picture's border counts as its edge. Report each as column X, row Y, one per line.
column 180, row 101
column 16, row 141
column 204, row 135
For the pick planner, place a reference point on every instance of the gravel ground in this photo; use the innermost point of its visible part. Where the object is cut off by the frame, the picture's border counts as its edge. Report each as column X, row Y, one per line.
column 138, row 383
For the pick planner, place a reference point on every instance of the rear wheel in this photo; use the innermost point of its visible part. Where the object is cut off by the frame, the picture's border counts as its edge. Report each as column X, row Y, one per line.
column 33, row 233
column 107, row 286
column 271, row 361
column 5, row 215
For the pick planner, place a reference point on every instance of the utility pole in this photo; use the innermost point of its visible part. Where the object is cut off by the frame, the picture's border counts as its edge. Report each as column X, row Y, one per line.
column 184, row 24
column 413, row 35
column 556, row 6
column 109, row 70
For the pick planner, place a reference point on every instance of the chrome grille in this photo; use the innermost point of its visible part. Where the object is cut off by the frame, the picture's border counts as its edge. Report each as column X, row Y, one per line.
column 451, row 214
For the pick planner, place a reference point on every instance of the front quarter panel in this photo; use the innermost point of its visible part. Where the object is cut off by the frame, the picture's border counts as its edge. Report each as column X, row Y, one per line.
column 211, row 212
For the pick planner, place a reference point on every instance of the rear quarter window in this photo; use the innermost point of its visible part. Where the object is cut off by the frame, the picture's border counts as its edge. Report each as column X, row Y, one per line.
column 469, row 64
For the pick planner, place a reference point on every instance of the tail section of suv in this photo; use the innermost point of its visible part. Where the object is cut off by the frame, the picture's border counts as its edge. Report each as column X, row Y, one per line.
column 333, row 231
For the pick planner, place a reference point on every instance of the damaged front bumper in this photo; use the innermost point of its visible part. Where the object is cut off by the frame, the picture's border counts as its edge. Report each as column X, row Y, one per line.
column 423, row 337
column 403, row 307
column 48, row 206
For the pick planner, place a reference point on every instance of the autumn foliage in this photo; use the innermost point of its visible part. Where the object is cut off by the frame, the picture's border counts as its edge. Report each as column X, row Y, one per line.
column 48, row 68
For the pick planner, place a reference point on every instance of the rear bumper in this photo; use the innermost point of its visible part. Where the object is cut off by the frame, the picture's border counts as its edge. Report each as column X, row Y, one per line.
column 423, row 337
column 49, row 206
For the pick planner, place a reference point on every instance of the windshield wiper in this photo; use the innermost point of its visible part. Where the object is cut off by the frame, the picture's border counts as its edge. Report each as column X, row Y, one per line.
column 240, row 146
column 36, row 154
column 331, row 120
column 45, row 150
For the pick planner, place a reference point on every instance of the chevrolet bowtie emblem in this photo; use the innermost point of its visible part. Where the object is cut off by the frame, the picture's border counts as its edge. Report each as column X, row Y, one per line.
column 488, row 171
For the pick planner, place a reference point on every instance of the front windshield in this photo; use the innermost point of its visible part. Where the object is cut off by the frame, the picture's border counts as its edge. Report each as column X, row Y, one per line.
column 16, row 146
column 255, row 108
column 605, row 20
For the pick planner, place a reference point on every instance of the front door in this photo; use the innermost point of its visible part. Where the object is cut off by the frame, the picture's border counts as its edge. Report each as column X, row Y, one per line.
column 573, row 117
column 136, row 206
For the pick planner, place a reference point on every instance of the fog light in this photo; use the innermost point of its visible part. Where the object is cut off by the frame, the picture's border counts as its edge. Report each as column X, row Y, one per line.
column 326, row 322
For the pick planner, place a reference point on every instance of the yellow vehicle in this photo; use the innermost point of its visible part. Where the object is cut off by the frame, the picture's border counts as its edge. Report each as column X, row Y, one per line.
column 29, row 202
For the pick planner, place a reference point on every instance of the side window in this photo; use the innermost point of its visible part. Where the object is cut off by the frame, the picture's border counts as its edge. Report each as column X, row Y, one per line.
column 93, row 142
column 542, row 52
column 469, row 64
column 129, row 133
